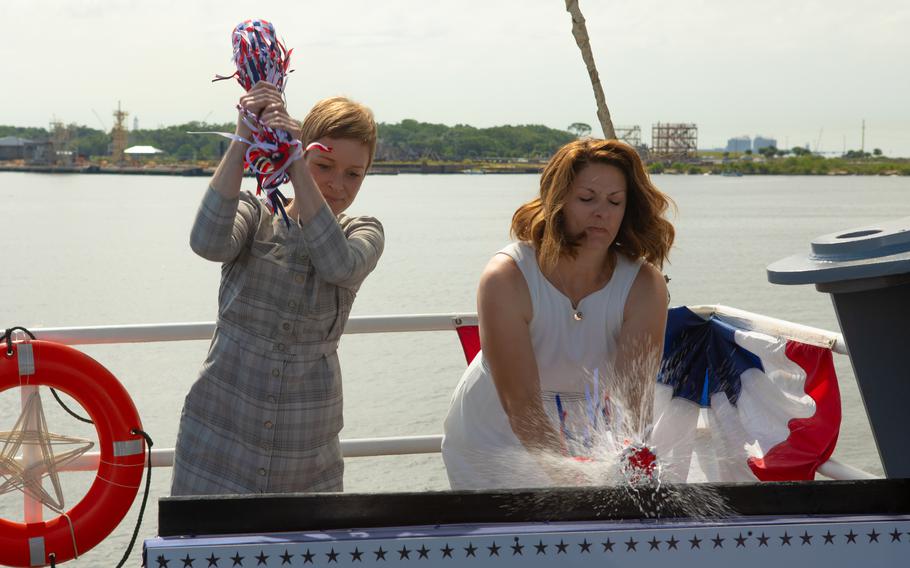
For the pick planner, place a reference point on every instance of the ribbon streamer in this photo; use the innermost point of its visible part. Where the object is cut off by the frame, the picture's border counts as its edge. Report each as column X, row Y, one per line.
column 259, row 56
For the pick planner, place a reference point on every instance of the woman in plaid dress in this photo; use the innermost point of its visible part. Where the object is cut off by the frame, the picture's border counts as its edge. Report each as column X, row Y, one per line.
column 265, row 413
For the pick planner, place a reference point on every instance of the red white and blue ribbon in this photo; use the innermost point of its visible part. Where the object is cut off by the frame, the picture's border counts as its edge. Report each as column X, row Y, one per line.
column 260, row 56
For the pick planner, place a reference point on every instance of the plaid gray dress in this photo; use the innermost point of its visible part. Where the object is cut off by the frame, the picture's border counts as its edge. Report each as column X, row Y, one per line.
column 265, row 413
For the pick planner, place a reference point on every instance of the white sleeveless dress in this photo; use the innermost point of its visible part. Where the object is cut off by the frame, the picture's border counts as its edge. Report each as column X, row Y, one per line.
column 479, row 449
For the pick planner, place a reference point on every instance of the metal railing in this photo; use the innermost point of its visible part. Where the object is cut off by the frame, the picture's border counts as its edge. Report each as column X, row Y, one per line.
column 147, row 333
column 368, row 447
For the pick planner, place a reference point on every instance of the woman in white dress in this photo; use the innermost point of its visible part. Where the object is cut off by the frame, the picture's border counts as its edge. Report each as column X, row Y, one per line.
column 576, row 304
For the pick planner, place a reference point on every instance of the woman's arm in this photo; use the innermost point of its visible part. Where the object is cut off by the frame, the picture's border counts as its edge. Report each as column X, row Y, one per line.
column 223, row 223
column 505, row 312
column 223, row 226
column 340, row 259
column 640, row 349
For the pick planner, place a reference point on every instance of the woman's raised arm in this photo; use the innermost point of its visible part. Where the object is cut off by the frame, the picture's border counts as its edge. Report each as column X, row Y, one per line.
column 224, row 221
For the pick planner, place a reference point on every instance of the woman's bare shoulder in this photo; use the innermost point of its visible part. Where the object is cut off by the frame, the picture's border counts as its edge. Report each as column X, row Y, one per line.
column 650, row 278
column 648, row 289
column 501, row 272
column 502, row 285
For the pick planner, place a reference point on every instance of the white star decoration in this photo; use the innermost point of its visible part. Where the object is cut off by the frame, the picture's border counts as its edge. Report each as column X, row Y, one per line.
column 29, row 479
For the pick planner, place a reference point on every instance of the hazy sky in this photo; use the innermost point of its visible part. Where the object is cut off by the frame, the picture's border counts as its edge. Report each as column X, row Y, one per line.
column 800, row 71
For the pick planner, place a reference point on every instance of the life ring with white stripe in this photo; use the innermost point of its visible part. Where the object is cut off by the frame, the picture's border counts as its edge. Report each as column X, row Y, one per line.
column 44, row 363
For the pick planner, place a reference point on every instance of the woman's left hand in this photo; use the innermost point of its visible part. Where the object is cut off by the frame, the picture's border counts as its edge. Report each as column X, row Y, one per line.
column 276, row 116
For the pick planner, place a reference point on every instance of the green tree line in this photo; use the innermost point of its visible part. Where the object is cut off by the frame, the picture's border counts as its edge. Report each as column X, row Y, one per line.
column 408, row 140
column 413, row 140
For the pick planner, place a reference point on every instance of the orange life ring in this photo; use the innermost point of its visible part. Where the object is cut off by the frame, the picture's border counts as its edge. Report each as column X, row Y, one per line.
column 122, row 453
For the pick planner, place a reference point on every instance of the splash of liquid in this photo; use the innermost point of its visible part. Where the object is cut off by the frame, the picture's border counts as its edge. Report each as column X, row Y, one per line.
column 606, row 442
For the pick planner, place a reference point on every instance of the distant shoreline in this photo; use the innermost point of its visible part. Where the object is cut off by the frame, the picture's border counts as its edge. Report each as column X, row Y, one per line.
column 732, row 168
column 379, row 168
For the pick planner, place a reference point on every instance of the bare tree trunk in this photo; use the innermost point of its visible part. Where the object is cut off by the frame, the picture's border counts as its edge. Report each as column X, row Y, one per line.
column 580, row 31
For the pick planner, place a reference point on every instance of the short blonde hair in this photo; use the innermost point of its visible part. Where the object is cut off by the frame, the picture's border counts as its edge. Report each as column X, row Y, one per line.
column 340, row 117
column 643, row 233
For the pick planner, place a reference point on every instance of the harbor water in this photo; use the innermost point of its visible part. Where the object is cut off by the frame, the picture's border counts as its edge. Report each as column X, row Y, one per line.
column 83, row 250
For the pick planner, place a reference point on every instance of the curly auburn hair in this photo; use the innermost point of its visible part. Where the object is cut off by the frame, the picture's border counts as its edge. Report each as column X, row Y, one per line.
column 643, row 233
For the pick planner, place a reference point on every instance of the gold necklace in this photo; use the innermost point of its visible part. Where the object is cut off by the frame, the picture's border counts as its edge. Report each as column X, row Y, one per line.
column 577, row 314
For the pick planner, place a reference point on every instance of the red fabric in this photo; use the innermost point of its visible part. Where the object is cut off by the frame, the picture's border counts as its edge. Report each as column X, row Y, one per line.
column 811, row 440
column 469, row 335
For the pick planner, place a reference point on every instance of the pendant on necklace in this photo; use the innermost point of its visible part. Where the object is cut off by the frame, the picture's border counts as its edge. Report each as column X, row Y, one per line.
column 578, row 315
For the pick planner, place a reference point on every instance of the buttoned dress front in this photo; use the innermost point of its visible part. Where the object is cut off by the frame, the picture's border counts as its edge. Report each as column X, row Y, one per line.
column 266, row 410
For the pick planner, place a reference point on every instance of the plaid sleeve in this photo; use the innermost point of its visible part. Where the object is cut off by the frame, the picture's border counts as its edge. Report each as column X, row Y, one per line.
column 223, row 225
column 343, row 257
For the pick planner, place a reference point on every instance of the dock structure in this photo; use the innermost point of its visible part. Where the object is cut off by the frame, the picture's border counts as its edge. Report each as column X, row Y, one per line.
column 674, row 141
column 119, row 135
column 60, row 153
column 631, row 135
